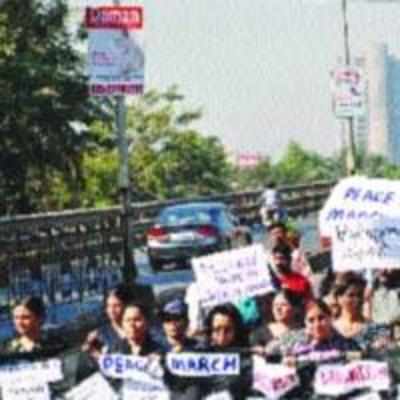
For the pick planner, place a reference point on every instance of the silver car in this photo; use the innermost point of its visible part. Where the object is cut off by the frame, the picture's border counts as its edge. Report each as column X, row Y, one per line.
column 193, row 229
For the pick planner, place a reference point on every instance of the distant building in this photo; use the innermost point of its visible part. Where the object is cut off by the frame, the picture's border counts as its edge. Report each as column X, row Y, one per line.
column 378, row 131
column 379, row 135
column 244, row 160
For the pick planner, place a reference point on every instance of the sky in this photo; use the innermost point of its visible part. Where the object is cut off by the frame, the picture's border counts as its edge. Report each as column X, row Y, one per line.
column 259, row 69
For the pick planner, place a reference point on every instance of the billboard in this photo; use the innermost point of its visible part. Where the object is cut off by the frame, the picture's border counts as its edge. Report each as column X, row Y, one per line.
column 348, row 91
column 116, row 53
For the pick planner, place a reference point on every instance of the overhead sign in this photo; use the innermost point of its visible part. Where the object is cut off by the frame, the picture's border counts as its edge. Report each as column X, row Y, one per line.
column 116, row 52
column 348, row 91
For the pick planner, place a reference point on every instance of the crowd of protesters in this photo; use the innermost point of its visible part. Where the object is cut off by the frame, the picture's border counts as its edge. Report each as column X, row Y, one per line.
column 309, row 319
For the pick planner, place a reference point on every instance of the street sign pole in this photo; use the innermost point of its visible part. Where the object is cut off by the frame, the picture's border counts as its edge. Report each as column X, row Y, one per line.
column 348, row 123
column 129, row 270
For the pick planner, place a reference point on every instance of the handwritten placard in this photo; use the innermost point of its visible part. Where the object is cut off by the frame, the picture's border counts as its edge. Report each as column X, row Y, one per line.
column 25, row 390
column 231, row 275
column 273, row 380
column 359, row 199
column 144, row 390
column 366, row 245
column 93, row 388
column 39, row 371
column 341, row 379
column 122, row 366
column 203, row 364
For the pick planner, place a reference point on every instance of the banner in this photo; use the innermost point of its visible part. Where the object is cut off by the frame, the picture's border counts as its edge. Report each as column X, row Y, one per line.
column 39, row 371
column 122, row 366
column 203, row 364
column 348, row 91
column 93, row 388
column 116, row 50
column 273, row 380
column 231, row 275
column 335, row 380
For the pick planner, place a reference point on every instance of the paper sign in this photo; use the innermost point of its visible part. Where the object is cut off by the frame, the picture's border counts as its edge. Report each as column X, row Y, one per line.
column 225, row 395
column 39, row 371
column 116, row 51
column 231, row 275
column 203, row 364
column 358, row 199
column 341, row 379
column 146, row 390
column 93, row 388
column 25, row 390
column 273, row 380
column 366, row 245
column 122, row 366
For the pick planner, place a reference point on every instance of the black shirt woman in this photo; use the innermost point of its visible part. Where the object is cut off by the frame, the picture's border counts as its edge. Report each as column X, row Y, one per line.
column 226, row 333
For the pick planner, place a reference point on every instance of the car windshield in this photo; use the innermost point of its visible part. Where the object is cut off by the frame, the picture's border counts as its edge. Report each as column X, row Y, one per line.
column 189, row 216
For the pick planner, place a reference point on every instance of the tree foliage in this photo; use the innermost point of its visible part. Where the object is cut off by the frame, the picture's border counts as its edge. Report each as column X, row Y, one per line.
column 169, row 159
column 44, row 106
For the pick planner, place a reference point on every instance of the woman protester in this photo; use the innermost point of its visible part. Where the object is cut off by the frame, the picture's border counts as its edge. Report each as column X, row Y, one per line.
column 351, row 322
column 29, row 315
column 135, row 325
column 111, row 332
column 226, row 333
column 272, row 337
column 32, row 343
column 107, row 336
column 321, row 344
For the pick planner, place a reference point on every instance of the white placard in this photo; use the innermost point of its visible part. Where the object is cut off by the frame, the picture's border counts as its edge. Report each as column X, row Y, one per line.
column 25, row 390
column 203, row 364
column 144, row 390
column 366, row 245
column 341, row 379
column 93, row 388
column 357, row 199
column 273, row 380
column 122, row 366
column 231, row 275
column 116, row 50
column 39, row 371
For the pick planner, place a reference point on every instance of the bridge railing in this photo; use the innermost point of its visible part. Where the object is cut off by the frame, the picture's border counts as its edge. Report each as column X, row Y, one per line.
column 72, row 256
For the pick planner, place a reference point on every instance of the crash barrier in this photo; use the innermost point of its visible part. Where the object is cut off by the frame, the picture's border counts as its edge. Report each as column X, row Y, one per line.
column 117, row 376
column 75, row 256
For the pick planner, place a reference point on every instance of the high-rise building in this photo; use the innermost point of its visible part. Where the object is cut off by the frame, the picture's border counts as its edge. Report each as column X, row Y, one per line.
column 379, row 135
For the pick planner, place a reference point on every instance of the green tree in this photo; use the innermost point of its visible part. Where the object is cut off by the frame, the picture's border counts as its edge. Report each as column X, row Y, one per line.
column 44, row 109
column 169, row 159
column 298, row 165
column 256, row 177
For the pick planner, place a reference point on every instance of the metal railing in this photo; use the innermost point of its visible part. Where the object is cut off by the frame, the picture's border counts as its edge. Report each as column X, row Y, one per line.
column 75, row 255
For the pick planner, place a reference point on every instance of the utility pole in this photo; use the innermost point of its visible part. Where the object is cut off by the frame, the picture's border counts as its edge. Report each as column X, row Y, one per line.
column 129, row 269
column 348, row 126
